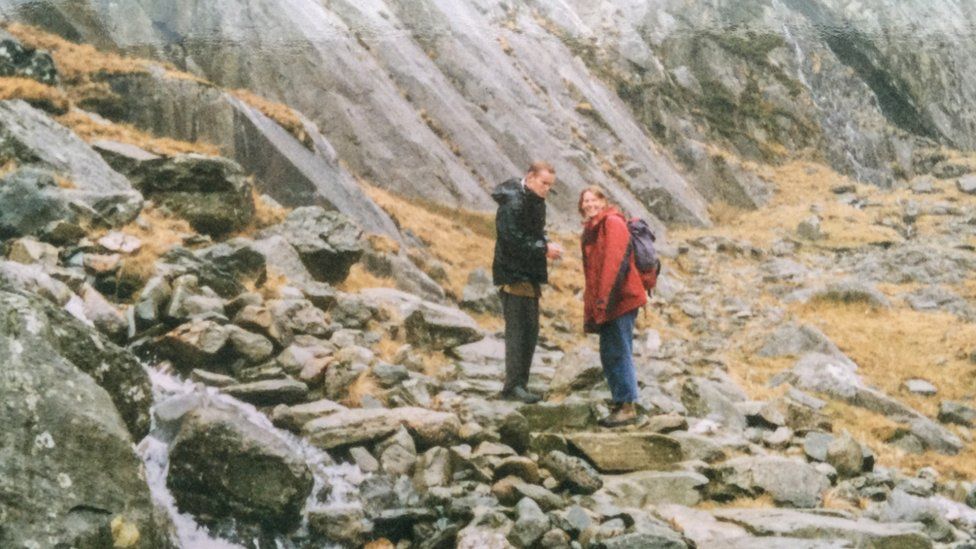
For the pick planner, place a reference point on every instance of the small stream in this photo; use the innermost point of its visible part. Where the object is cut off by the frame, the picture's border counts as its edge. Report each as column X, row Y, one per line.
column 169, row 391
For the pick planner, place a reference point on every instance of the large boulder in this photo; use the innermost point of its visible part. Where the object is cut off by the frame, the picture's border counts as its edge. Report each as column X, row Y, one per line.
column 213, row 194
column 222, row 465
column 113, row 368
column 328, row 242
column 68, row 473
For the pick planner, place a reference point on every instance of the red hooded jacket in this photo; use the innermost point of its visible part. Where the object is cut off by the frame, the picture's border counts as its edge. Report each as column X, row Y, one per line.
column 604, row 244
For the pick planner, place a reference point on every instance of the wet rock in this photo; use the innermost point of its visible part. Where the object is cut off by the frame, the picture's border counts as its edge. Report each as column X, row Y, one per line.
column 845, row 455
column 327, row 242
column 797, row 340
column 967, row 184
column 67, row 454
column 571, row 414
column 354, row 426
column 439, row 327
column 293, row 418
column 920, row 387
column 480, row 294
column 579, row 370
column 530, row 524
column 221, row 465
column 788, row 481
column 616, row 453
column 510, row 490
column 28, row 136
column 212, row 193
column 340, row 524
column 30, row 251
column 270, row 392
column 260, row 319
column 22, row 61
column 434, row 468
column 645, row 488
column 254, row 348
column 956, row 412
column 792, row 523
column 211, row 379
column 574, row 474
column 197, row 344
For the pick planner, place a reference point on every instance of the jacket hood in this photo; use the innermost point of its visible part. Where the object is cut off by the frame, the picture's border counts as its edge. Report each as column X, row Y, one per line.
column 506, row 191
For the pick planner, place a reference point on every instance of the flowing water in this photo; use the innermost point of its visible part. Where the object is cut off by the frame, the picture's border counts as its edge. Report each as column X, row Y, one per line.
column 169, row 391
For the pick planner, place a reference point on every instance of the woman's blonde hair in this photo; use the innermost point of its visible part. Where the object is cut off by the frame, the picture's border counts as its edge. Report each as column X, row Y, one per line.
column 596, row 191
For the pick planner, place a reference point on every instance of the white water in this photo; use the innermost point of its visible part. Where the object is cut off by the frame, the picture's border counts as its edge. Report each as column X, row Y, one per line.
column 154, row 451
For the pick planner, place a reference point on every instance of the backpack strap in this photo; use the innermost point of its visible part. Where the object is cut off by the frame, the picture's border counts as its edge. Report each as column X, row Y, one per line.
column 618, row 282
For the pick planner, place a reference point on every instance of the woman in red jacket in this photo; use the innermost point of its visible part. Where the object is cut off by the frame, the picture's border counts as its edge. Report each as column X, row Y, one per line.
column 614, row 293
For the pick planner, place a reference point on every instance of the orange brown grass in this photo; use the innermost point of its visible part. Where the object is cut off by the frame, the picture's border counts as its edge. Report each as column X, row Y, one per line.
column 284, row 115
column 158, row 233
column 40, row 95
column 91, row 130
column 76, row 62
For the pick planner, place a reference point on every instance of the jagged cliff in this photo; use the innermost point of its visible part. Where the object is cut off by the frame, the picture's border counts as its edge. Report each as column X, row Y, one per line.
column 660, row 101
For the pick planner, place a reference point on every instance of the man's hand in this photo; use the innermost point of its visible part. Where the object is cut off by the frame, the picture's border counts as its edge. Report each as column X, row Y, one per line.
column 553, row 250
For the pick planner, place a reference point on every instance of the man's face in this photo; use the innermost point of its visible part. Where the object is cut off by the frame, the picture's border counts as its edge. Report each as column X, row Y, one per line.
column 540, row 182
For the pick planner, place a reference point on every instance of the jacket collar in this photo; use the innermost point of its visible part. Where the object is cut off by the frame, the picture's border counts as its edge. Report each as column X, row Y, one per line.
column 598, row 219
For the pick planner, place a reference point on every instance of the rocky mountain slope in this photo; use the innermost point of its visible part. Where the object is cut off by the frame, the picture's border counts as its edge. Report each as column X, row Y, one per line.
column 664, row 102
column 188, row 362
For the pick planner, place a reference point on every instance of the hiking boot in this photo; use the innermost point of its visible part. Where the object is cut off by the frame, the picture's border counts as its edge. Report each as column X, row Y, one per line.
column 625, row 414
column 520, row 394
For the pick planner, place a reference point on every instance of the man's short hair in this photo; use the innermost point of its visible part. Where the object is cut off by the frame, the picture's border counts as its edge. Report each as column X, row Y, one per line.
column 541, row 166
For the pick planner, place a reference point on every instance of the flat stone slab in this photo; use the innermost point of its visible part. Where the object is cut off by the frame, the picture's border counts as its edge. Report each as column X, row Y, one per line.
column 628, row 452
column 269, row 392
column 550, row 416
column 861, row 532
column 359, row 425
column 645, row 488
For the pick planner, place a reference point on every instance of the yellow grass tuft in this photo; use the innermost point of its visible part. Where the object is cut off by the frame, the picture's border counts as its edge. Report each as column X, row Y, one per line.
column 40, row 95
column 284, row 115
column 265, row 213
column 158, row 233
column 360, row 279
column 90, row 130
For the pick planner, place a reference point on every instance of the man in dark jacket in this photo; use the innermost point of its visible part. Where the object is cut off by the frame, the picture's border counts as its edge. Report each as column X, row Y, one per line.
column 520, row 269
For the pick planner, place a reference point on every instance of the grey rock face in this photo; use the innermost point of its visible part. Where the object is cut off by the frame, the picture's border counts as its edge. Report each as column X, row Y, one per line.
column 66, row 453
column 348, row 427
column 31, row 138
column 223, row 466
column 958, row 413
column 329, row 243
column 647, row 488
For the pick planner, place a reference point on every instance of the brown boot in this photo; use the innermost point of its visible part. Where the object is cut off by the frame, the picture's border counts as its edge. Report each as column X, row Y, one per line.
column 626, row 414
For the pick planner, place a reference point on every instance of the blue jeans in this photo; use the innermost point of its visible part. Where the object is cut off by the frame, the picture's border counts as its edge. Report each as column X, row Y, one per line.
column 617, row 357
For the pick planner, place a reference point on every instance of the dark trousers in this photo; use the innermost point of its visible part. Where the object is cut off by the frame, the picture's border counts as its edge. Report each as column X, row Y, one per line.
column 616, row 354
column 521, row 335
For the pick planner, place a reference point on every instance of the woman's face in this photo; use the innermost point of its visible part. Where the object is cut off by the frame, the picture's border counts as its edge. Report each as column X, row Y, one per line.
column 592, row 204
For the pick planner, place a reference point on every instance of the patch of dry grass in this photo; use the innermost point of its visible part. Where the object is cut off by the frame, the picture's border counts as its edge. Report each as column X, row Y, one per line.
column 158, row 233
column 796, row 187
column 284, row 115
column 76, row 62
column 42, row 96
column 91, row 130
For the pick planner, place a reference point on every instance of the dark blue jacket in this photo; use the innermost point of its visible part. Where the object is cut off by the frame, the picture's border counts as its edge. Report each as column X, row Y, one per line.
column 520, row 229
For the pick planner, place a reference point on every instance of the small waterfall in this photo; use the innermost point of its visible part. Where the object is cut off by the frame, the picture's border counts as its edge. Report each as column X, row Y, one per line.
column 154, row 451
